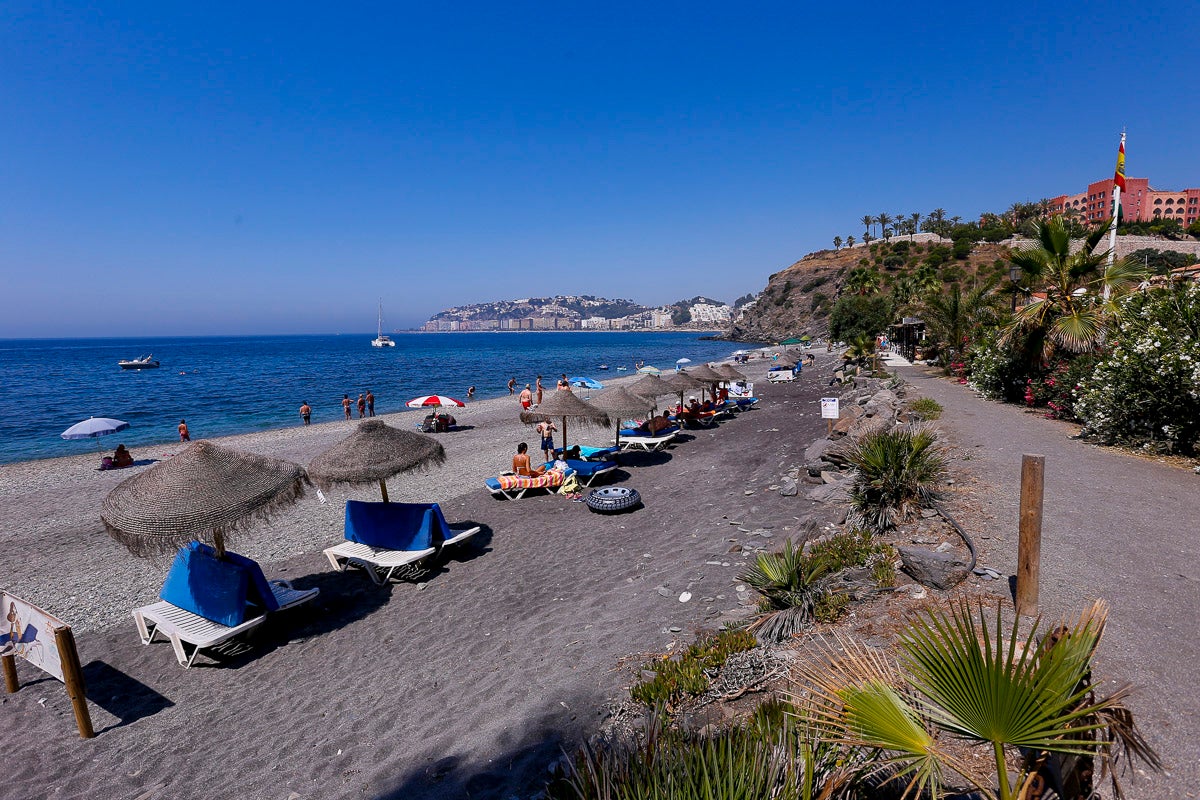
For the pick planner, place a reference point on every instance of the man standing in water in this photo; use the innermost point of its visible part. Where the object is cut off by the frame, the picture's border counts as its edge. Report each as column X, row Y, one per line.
column 184, row 436
column 370, row 404
column 305, row 412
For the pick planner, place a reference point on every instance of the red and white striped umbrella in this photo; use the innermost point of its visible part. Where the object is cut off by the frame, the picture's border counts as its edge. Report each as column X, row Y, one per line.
column 435, row 401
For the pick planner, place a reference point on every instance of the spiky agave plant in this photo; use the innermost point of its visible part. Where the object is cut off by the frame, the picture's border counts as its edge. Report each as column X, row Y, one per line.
column 777, row 759
column 956, row 675
column 897, row 472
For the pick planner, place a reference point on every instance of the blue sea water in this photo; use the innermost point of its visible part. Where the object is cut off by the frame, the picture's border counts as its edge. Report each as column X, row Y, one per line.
column 238, row 384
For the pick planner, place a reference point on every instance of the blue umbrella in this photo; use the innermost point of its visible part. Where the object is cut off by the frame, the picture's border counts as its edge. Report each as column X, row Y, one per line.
column 94, row 428
column 585, row 383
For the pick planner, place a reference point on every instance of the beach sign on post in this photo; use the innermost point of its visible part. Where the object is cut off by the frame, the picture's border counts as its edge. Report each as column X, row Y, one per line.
column 47, row 643
column 830, row 412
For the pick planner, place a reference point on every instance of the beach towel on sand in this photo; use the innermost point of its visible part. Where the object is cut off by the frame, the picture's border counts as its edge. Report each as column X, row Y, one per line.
column 550, row 479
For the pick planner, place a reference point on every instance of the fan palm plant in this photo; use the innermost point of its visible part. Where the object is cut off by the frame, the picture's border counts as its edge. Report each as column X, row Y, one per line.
column 897, row 472
column 792, row 586
column 862, row 280
column 957, row 676
column 1080, row 292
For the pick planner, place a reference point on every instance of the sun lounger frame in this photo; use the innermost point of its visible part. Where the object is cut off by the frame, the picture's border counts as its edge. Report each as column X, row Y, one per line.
column 183, row 628
column 381, row 564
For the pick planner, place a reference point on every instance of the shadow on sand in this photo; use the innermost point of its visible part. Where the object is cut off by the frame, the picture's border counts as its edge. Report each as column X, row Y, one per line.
column 121, row 695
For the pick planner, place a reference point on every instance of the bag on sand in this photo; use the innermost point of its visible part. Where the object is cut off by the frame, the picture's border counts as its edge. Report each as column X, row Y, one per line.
column 569, row 486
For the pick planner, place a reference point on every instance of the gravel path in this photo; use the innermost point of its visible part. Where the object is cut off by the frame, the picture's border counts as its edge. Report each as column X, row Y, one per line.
column 1116, row 526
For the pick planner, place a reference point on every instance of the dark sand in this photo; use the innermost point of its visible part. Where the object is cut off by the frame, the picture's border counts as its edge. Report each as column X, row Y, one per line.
column 467, row 683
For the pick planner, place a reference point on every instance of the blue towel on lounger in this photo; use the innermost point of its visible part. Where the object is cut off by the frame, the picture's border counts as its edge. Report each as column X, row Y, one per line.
column 228, row 590
column 396, row 526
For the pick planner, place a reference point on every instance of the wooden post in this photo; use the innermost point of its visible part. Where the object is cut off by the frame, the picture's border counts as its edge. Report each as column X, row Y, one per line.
column 383, row 489
column 1029, row 546
column 73, row 678
column 10, row 673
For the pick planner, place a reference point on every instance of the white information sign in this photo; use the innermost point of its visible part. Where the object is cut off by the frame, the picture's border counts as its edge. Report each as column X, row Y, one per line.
column 28, row 632
column 829, row 408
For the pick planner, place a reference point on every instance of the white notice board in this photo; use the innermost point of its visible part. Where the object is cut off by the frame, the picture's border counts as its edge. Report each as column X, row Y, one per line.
column 829, row 408
column 30, row 632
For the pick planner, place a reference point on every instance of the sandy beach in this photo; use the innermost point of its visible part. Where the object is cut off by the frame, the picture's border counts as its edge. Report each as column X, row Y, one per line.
column 466, row 683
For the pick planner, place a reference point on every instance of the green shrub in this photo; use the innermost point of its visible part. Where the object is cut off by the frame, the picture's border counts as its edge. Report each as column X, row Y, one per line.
column 897, row 472
column 926, row 407
column 686, row 677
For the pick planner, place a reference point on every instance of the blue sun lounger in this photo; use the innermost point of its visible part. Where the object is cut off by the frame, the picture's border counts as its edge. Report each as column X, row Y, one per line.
column 384, row 538
column 593, row 453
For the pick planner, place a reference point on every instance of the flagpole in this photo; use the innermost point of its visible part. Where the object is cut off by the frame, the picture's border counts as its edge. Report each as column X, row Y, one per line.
column 1118, row 182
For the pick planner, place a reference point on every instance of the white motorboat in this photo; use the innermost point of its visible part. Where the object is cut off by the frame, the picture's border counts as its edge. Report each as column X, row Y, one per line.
column 145, row 362
column 381, row 339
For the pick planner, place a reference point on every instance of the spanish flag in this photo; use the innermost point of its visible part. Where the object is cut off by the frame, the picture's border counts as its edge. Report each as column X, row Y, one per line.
column 1119, row 178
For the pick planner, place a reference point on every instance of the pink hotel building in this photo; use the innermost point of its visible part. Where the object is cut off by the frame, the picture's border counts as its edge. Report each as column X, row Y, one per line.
column 1138, row 200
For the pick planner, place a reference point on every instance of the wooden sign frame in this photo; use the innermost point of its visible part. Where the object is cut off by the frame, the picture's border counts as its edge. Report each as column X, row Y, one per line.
column 11, row 608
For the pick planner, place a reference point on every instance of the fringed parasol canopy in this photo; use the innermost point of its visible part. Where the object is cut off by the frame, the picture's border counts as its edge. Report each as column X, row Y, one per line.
column 205, row 493
column 374, row 453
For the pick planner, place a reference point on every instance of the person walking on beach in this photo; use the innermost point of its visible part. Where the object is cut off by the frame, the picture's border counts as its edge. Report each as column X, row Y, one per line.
column 539, row 389
column 184, row 435
column 526, row 398
column 370, row 404
column 563, row 385
column 471, row 393
column 305, row 412
column 546, row 431
column 362, row 405
column 512, row 385
column 346, row 405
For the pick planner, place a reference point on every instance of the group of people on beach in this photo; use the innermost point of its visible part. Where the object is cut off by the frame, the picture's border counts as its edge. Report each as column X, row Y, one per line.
column 527, row 395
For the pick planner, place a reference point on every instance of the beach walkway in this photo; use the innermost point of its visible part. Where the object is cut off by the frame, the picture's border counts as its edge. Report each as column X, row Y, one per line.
column 1116, row 526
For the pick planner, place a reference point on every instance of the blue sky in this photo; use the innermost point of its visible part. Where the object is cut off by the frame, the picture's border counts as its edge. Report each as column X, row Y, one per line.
column 237, row 168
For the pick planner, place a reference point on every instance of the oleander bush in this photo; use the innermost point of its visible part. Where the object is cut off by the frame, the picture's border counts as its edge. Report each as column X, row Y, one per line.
column 1145, row 390
column 897, row 471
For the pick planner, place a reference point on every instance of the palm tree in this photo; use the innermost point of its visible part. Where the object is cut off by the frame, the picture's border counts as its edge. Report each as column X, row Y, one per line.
column 954, row 315
column 903, row 291
column 867, row 237
column 850, row 241
column 1080, row 292
column 837, row 243
column 927, row 279
column 867, row 222
column 883, row 220
column 959, row 676
column 861, row 280
column 914, row 224
column 935, row 221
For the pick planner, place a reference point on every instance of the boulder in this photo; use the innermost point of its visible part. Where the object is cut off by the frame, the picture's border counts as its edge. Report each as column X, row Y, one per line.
column 829, row 493
column 787, row 487
column 939, row 570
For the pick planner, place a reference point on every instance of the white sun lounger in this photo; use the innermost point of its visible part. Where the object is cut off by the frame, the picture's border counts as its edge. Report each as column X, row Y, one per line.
column 183, row 628
column 375, row 560
column 647, row 442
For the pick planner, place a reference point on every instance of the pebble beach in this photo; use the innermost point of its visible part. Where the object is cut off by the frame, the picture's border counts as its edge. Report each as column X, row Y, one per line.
column 466, row 682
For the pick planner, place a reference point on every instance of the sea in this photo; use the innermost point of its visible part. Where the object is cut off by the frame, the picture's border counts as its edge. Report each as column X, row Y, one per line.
column 226, row 385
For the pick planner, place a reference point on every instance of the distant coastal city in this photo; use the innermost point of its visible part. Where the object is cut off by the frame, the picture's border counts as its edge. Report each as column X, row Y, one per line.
column 586, row 313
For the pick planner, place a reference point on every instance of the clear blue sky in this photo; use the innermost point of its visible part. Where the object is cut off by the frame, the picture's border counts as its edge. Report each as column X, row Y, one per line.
column 209, row 168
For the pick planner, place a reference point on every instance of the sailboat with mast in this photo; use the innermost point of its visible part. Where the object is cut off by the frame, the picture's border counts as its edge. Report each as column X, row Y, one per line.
column 381, row 339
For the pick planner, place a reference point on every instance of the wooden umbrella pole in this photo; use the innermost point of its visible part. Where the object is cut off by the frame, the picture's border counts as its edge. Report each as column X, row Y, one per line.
column 383, row 489
column 564, row 437
column 219, row 543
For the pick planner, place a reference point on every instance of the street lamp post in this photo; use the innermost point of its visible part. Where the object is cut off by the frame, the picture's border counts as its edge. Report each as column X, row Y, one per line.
column 1014, row 275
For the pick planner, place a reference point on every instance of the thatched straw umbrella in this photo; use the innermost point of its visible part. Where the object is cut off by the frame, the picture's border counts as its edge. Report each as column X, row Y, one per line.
column 681, row 382
column 708, row 375
column 375, row 452
column 565, row 405
column 730, row 372
column 619, row 403
column 205, row 493
column 649, row 386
